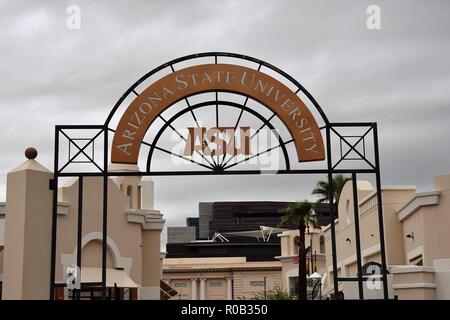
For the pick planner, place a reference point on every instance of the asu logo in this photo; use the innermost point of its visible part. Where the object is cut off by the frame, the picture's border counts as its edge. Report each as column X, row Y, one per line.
column 218, row 141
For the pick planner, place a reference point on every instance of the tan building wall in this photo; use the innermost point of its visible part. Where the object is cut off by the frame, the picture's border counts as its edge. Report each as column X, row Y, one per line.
column 416, row 233
column 220, row 278
column 133, row 243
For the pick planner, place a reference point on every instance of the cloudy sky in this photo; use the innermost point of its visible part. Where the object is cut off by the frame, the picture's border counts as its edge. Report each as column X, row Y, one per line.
column 398, row 76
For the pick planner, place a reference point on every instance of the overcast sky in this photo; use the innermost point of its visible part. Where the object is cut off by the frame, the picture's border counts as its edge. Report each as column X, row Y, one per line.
column 398, row 76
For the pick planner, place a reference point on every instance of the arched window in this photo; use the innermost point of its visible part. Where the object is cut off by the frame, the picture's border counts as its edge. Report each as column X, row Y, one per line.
column 322, row 244
column 130, row 194
column 296, row 241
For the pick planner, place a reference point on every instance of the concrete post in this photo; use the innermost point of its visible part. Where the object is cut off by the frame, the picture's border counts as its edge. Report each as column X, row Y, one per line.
column 26, row 266
column 151, row 253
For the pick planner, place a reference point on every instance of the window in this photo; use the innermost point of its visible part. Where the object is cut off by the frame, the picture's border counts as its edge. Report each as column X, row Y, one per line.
column 296, row 242
column 139, row 200
column 322, row 244
column 238, row 220
column 417, row 261
column 130, row 194
column 215, row 284
column 257, row 219
column 257, row 283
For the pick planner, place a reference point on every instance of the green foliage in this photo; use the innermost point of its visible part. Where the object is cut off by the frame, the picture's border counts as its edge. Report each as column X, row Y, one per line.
column 299, row 213
column 322, row 188
column 273, row 294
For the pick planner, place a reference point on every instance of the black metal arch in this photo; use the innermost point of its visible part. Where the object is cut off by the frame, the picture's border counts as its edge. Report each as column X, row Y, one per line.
column 215, row 55
column 330, row 130
column 216, row 167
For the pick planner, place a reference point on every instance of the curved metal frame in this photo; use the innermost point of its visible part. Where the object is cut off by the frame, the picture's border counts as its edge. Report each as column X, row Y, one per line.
column 216, row 167
column 215, row 55
column 330, row 129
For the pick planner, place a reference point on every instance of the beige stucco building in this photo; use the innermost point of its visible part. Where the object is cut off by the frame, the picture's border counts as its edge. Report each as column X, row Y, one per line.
column 133, row 243
column 221, row 278
column 416, row 237
column 314, row 242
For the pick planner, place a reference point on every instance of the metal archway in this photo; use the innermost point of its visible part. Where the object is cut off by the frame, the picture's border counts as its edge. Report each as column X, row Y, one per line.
column 349, row 148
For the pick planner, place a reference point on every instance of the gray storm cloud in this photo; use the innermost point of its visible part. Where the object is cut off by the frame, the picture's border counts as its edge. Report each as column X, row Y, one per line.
column 398, row 76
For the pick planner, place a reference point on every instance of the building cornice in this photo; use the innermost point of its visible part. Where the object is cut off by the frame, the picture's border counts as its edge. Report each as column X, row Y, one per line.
column 149, row 219
column 320, row 256
column 63, row 208
column 411, row 269
column 418, row 285
column 417, row 201
column 219, row 269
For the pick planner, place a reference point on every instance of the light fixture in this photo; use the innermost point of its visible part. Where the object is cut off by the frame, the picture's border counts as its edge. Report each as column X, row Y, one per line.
column 348, row 240
column 410, row 235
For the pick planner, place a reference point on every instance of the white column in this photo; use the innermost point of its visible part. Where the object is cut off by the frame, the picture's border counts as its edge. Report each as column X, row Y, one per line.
column 194, row 288
column 229, row 287
column 202, row 288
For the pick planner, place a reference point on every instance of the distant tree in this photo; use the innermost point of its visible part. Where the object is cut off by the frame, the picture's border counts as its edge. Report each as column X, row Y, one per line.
column 274, row 294
column 322, row 188
column 300, row 213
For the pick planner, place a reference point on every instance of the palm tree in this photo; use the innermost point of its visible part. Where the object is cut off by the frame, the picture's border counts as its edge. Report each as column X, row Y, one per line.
column 322, row 188
column 300, row 213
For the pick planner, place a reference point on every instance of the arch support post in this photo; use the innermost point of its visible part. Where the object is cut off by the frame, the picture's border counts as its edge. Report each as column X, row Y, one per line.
column 151, row 256
column 380, row 214
column 332, row 213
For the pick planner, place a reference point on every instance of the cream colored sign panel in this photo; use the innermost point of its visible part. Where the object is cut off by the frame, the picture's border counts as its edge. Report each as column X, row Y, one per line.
column 209, row 78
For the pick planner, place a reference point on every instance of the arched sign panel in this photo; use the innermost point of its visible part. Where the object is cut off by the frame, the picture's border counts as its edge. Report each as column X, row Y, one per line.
column 209, row 78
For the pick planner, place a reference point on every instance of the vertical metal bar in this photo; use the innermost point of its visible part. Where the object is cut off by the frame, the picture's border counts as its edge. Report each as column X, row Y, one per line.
column 331, row 201
column 380, row 212
column 105, row 210
column 54, row 215
column 80, row 229
column 357, row 236
column 311, row 271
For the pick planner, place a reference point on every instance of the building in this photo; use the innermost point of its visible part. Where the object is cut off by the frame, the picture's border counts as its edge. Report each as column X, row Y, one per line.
column 231, row 278
column 416, row 237
column 133, row 243
column 315, row 246
column 228, row 219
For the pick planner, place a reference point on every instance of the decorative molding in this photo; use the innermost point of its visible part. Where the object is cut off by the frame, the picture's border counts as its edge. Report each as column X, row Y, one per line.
column 63, row 208
column 224, row 269
column 411, row 269
column 320, row 256
column 417, row 201
column 119, row 260
column 149, row 219
column 417, row 285
column 368, row 204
